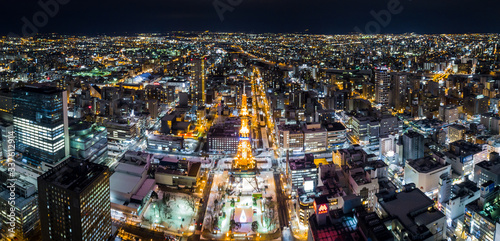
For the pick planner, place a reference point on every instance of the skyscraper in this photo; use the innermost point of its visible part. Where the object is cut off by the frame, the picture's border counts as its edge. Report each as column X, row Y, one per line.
column 41, row 123
column 382, row 84
column 198, row 77
column 413, row 146
column 398, row 96
column 74, row 201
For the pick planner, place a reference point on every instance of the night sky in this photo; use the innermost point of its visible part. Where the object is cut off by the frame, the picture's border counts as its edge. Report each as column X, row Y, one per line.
column 253, row 16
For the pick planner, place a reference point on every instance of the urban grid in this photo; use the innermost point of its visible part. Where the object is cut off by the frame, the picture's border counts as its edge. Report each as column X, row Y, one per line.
column 212, row 135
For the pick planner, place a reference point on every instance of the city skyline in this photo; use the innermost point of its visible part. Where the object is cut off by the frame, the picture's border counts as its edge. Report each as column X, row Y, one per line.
column 186, row 120
column 316, row 17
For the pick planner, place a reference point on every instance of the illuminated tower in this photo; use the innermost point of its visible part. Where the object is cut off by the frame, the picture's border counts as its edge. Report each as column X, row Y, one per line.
column 244, row 159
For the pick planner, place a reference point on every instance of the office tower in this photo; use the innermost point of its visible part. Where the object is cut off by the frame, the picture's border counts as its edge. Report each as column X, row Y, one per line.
column 198, row 77
column 41, row 124
column 382, row 85
column 413, row 146
column 74, row 201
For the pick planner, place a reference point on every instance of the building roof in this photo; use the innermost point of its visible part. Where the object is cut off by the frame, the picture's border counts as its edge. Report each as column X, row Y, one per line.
column 411, row 208
column 425, row 164
column 124, row 183
column 73, row 174
column 335, row 126
column 130, row 169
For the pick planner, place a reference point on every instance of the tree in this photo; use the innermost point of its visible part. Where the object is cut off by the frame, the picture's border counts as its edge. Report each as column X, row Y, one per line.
column 255, row 226
column 270, row 214
column 154, row 195
column 232, row 225
column 191, row 203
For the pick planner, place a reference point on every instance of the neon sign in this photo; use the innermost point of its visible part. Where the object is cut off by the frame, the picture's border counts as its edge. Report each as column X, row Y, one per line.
column 322, row 209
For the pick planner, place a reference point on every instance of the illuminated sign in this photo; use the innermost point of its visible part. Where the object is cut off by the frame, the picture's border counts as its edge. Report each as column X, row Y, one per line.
column 322, row 209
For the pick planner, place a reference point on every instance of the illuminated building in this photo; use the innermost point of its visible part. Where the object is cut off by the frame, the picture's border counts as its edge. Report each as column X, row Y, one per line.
column 488, row 170
column 491, row 122
column 74, row 202
column 88, row 142
column 165, row 143
column 41, row 124
column 326, row 224
column 382, row 83
column 425, row 172
column 464, row 155
column 315, row 138
column 365, row 183
column 481, row 219
column 26, row 207
column 456, row 132
column 198, row 77
column 290, row 137
column 413, row 146
column 399, row 91
column 303, row 174
column 244, row 159
column 336, row 134
column 476, row 105
column 448, row 113
column 224, row 137
column 461, row 195
column 122, row 130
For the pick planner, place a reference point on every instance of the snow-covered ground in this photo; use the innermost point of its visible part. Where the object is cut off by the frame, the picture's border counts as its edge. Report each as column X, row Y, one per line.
column 177, row 216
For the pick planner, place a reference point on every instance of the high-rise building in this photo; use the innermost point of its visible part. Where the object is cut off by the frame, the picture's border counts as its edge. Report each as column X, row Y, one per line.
column 74, row 201
column 382, row 86
column 399, row 95
column 41, row 124
column 198, row 77
column 413, row 146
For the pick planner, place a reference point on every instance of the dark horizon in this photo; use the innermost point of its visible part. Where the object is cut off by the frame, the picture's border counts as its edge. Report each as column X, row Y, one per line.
column 318, row 17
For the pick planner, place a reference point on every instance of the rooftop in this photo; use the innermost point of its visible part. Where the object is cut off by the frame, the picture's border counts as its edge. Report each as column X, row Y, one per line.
column 73, row 174
column 412, row 208
column 335, row 126
column 425, row 164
